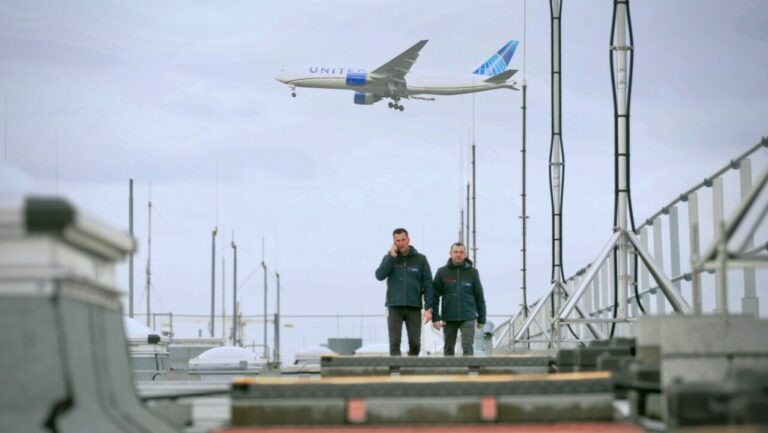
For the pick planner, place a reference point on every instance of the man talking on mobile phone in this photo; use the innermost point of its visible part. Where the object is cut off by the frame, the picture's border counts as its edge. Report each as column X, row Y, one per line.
column 409, row 289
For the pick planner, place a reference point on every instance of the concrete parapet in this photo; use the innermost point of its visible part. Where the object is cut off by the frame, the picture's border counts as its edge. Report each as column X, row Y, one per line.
column 68, row 369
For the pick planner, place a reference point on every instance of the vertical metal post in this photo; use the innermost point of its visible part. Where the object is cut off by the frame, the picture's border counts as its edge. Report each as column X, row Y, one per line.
column 556, row 165
column 674, row 245
column 149, row 258
column 223, row 290
column 461, row 227
column 721, row 297
column 693, row 238
column 277, row 323
column 474, row 208
column 596, row 297
column 611, row 278
column 605, row 283
column 213, row 279
column 264, row 267
column 658, row 257
column 469, row 216
column 749, row 303
column 556, row 160
column 524, row 216
column 645, row 299
column 130, row 256
column 633, row 281
column 619, row 50
column 234, row 291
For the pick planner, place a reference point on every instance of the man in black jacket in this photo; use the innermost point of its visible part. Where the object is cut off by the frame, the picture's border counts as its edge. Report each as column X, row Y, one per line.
column 458, row 284
column 408, row 280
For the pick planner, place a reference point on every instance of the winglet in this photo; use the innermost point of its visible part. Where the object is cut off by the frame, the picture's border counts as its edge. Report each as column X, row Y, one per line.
column 499, row 61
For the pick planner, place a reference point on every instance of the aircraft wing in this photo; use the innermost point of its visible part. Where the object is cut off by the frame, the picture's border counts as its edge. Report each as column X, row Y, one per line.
column 396, row 68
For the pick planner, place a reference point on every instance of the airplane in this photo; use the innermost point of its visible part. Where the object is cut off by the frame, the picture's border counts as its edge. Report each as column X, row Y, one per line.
column 388, row 80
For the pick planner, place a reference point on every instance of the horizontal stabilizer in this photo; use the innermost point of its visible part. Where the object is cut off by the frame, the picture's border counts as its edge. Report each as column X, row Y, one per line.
column 502, row 77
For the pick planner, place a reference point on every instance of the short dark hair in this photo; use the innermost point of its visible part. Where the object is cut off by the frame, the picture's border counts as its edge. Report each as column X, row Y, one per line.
column 399, row 231
column 457, row 244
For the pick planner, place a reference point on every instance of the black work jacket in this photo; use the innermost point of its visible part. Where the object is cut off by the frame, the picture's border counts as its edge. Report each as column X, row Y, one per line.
column 461, row 292
column 409, row 279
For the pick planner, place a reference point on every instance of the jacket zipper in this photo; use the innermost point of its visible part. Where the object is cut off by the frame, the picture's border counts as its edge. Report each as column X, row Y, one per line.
column 405, row 280
column 458, row 291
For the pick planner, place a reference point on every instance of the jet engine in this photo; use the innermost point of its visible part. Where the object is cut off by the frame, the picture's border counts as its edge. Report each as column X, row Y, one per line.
column 366, row 98
column 357, row 78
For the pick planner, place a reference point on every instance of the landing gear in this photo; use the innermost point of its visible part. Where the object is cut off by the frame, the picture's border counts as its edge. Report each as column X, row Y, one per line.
column 293, row 94
column 293, row 91
column 396, row 105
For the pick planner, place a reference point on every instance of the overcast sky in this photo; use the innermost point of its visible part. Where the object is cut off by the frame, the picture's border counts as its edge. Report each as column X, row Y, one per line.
column 180, row 95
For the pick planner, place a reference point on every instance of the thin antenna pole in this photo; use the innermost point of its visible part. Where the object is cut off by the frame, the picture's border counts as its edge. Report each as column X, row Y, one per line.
column 277, row 322
column 474, row 209
column 130, row 256
column 149, row 253
column 223, row 288
column 469, row 214
column 524, row 216
column 5, row 128
column 56, row 162
column 264, row 266
column 234, row 290
column 461, row 226
column 213, row 279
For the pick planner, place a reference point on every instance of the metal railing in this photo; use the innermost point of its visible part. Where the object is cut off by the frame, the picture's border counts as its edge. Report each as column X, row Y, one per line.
column 674, row 251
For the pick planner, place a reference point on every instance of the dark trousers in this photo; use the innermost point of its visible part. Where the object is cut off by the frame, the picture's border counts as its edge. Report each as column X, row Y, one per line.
column 451, row 328
column 412, row 318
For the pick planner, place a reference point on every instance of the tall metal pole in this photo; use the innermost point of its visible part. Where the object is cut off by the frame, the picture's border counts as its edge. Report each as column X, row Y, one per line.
column 234, row 291
column 223, row 290
column 213, row 278
column 130, row 257
column 149, row 258
column 622, row 76
column 277, row 322
column 5, row 129
column 461, row 227
column 523, row 156
column 469, row 215
column 524, row 216
column 264, row 267
column 474, row 209
column 556, row 165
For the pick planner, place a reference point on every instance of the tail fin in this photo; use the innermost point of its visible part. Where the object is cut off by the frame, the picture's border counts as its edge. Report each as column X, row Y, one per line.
column 499, row 61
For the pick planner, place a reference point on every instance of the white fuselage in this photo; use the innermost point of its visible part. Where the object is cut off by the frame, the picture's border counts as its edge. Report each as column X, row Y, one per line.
column 335, row 78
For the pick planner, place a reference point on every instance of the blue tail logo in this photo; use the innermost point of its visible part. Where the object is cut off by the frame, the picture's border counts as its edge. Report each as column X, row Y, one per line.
column 499, row 61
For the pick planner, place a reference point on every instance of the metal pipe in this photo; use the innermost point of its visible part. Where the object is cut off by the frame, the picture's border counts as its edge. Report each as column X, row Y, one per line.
column 679, row 305
column 469, row 215
column 149, row 258
column 234, row 291
column 658, row 257
column 721, row 298
column 556, row 156
column 264, row 267
column 130, row 256
column 524, row 216
column 693, row 239
column 213, row 278
column 708, row 180
column 277, row 323
column 749, row 303
column 474, row 208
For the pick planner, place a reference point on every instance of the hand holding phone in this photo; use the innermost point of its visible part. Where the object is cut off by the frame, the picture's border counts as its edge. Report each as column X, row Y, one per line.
column 393, row 250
